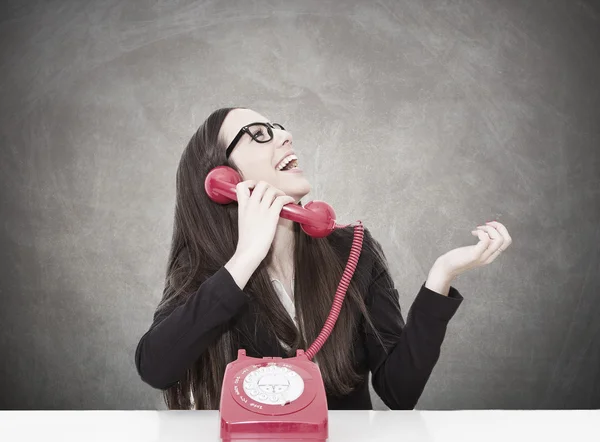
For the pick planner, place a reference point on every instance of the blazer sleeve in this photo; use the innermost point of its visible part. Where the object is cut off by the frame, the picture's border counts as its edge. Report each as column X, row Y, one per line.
column 176, row 339
column 401, row 368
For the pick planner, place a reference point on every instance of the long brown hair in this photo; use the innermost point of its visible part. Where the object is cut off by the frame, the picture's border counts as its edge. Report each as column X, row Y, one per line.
column 205, row 236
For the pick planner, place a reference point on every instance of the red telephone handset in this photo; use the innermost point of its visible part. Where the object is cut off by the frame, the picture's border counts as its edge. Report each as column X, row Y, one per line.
column 272, row 397
column 317, row 218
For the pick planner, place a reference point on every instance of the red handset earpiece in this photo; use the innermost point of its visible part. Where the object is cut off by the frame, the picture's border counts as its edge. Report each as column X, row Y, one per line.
column 317, row 218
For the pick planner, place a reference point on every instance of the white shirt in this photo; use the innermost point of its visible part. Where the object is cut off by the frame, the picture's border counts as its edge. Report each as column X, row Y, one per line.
column 287, row 302
column 286, row 299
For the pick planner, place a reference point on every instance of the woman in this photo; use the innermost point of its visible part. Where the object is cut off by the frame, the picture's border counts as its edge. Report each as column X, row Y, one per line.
column 240, row 276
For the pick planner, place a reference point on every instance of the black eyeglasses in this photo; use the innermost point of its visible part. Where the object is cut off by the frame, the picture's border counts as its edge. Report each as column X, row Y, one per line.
column 257, row 132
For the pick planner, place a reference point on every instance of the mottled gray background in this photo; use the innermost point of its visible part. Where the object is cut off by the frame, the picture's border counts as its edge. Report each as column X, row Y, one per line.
column 421, row 118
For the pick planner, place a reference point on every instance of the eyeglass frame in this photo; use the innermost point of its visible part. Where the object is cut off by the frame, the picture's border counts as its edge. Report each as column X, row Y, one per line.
column 245, row 130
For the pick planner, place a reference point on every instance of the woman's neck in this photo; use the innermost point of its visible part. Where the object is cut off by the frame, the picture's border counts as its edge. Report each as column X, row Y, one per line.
column 281, row 264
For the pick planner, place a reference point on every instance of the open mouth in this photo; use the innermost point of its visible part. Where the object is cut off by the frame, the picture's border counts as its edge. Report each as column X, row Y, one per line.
column 289, row 166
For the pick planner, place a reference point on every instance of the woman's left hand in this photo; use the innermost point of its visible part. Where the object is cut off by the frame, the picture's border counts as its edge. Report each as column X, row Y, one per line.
column 493, row 239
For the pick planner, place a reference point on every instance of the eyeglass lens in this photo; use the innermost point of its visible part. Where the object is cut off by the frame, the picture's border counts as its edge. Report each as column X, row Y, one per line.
column 261, row 132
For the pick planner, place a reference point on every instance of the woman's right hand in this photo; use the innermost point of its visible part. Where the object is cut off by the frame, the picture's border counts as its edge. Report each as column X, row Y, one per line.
column 258, row 215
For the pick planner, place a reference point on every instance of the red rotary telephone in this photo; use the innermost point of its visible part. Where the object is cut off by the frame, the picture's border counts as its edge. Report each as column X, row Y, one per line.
column 275, row 398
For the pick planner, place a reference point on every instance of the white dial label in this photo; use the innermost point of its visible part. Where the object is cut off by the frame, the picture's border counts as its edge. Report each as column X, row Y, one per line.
column 273, row 385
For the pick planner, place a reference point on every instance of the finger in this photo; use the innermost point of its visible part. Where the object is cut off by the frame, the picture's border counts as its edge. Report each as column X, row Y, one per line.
column 494, row 246
column 483, row 244
column 503, row 231
column 258, row 192
column 242, row 191
column 270, row 195
column 279, row 202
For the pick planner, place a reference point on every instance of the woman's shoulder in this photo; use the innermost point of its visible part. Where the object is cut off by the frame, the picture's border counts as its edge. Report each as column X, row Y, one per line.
column 342, row 239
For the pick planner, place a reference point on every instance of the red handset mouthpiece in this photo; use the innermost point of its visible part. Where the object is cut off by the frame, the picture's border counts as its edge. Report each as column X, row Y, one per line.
column 317, row 218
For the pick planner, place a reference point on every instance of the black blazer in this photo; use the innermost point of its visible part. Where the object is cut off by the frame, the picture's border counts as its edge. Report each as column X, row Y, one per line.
column 176, row 338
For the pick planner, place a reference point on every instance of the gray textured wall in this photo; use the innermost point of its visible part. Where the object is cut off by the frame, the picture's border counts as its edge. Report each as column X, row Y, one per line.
column 423, row 119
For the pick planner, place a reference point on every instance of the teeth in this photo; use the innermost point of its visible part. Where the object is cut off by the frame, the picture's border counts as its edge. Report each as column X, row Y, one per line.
column 286, row 160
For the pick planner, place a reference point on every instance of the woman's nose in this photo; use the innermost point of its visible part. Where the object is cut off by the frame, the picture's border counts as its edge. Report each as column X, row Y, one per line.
column 286, row 137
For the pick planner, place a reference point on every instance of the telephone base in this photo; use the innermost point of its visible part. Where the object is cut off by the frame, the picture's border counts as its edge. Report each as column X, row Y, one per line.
column 273, row 399
column 275, row 439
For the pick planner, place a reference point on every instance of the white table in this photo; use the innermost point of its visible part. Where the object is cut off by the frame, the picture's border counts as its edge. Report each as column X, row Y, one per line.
column 344, row 426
